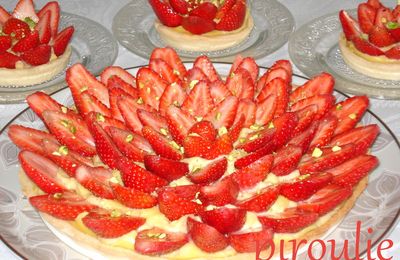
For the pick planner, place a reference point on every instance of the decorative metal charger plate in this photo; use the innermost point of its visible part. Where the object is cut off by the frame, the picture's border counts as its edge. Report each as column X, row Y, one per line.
column 92, row 45
column 24, row 231
column 133, row 26
column 314, row 48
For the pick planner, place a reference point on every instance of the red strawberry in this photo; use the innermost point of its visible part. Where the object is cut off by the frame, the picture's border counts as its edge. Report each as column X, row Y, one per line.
column 206, row 237
column 197, row 25
column 165, row 168
column 286, row 160
column 324, row 133
column 225, row 220
column 116, row 94
column 246, row 109
column 223, row 115
column 154, row 120
column 262, row 201
column 306, row 116
column 291, row 220
column 133, row 198
column 138, row 178
column 62, row 39
column 271, row 74
column 323, row 103
column 240, row 84
column 28, row 138
column 165, row 13
column 366, row 47
column 303, row 140
column 352, row 171
column 27, row 43
column 128, row 107
column 54, row 10
column 283, row 64
column 350, row 26
column 179, row 6
column 257, row 140
column 112, row 71
column 90, row 104
column 206, row 66
column 96, row 180
column 151, row 86
column 221, row 146
column 170, row 56
column 37, row 56
column 376, row 4
column 380, row 36
column 210, row 173
column 193, row 76
column 234, row 18
column 252, row 157
column 197, row 146
column 111, row 224
column 116, row 82
column 393, row 53
column 305, row 186
column 19, row 29
column 5, row 43
column 175, row 202
column 173, row 94
column 41, row 171
column 249, row 242
column 234, row 131
column 219, row 91
column 199, row 101
column 40, row 101
column 383, row 16
column 205, row 10
column 44, row 28
column 249, row 176
column 4, row 16
column 226, row 6
column 179, row 122
column 321, row 84
column 105, row 121
column 277, row 87
column 160, row 144
column 366, row 17
column 248, row 64
column 326, row 199
column 164, row 70
column 157, row 241
column 204, row 129
column 284, row 126
column 266, row 110
column 25, row 9
column 220, row 193
column 66, row 206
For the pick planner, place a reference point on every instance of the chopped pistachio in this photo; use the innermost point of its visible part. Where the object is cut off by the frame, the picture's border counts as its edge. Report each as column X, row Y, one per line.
column 176, row 72
column 339, row 107
column 198, row 118
column 316, row 152
column 56, row 153
column 218, row 116
column 392, row 25
column 57, row 195
column 336, row 148
column 148, row 90
column 163, row 131
column 139, row 101
column 303, row 177
column 30, row 22
column 65, row 123
column 157, row 98
column 115, row 213
column 232, row 75
column 352, row 116
column 182, row 149
column 63, row 150
column 193, row 83
column 100, row 117
column 271, row 125
column 222, row 130
column 84, row 88
column 129, row 138
column 242, row 140
column 197, row 201
column 254, row 137
column 141, row 84
column 64, row 109
column 174, row 144
column 254, row 127
column 162, row 236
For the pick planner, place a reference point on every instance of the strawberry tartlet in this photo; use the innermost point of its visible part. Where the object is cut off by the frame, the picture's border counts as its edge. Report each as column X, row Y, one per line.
column 371, row 45
column 202, row 25
column 32, row 51
column 178, row 163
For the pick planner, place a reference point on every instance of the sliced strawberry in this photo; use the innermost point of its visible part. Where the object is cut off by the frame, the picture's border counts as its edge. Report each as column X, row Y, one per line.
column 96, row 180
column 137, row 177
column 197, row 146
column 249, row 176
column 16, row 27
column 116, row 82
column 321, row 84
column 352, row 171
column 234, row 131
column 223, row 115
column 170, row 56
column 156, row 241
column 54, row 9
column 37, row 56
column 225, row 220
column 28, row 138
column 277, row 87
column 40, row 101
column 250, row 65
column 204, row 129
column 25, row 9
column 304, row 139
column 266, row 110
column 324, row 133
column 41, row 171
column 271, row 74
column 257, row 140
column 204, row 63
column 262, row 201
column 179, row 6
column 153, row 120
column 366, row 47
column 65, row 206
column 220, row 193
column 206, row 10
column 90, row 104
column 221, row 146
column 165, row 13
column 241, row 84
column 376, row 4
column 165, row 168
column 286, row 160
column 219, row 91
column 160, row 144
column 133, row 198
column 111, row 224
column 350, row 26
column 70, row 131
column 27, row 43
column 164, row 70
column 349, row 112
column 323, row 103
column 206, row 237
column 62, row 39
column 197, row 25
column 383, row 16
column 5, row 43
column 283, row 64
column 284, row 126
column 175, row 202
column 112, row 71
column 4, row 16
column 151, row 86
column 116, row 94
column 380, row 37
column 173, row 94
column 8, row 60
column 252, row 157
column 210, row 173
column 193, row 76
column 306, row 116
column 128, row 107
column 234, row 18
column 105, row 121
column 366, row 17
column 246, row 109
column 199, row 101
column 249, row 242
column 179, row 122
column 291, row 220
column 226, row 6
column 326, row 199
column 393, row 53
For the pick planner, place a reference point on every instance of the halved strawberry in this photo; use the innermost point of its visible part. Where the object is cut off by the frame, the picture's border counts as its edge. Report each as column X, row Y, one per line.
column 165, row 168
column 246, row 109
column 196, row 146
column 157, row 241
column 151, row 86
column 324, row 133
column 160, row 144
column 277, row 87
column 179, row 122
column 204, row 129
column 116, row 82
column 206, row 10
column 133, row 198
column 366, row 17
column 206, row 237
column 380, row 37
column 42, row 171
column 154, row 120
column 323, row 103
column 383, row 16
column 286, row 160
column 262, row 201
column 366, row 47
column 61, row 40
column 210, row 173
column 252, row 157
column 112, row 71
column 16, row 27
column 193, row 76
column 165, row 13
column 352, row 171
column 219, row 91
column 306, row 116
column 54, row 9
column 249, row 242
column 350, row 26
column 223, row 114
column 199, row 101
column 179, row 6
column 271, row 74
column 284, row 64
column 304, row 139
column 251, row 66
column 257, row 140
column 128, row 107
column 111, row 224
column 204, row 63
column 37, row 56
column 4, row 16
column 291, row 220
column 170, row 56
column 105, row 121
column 226, row 6
column 27, row 43
column 241, row 84
column 65, row 206
column 175, row 202
column 326, row 199
column 25, row 9
column 5, row 43
column 376, row 4
column 220, row 193
column 116, row 94
column 40, row 101
column 393, row 53
column 233, row 19
column 221, row 146
column 234, row 131
column 137, row 177
column 197, row 25
column 284, row 126
column 249, row 176
column 225, row 220
column 96, row 180
column 90, row 103
column 173, row 94
column 321, row 84
column 28, row 138
column 8, row 60
column 164, row 70
column 266, row 110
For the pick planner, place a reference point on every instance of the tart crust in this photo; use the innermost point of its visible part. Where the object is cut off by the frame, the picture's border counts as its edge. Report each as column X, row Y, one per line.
column 35, row 75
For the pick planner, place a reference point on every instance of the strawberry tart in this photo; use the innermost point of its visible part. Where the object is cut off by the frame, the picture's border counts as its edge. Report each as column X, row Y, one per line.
column 180, row 163
column 202, row 25
column 32, row 51
column 371, row 45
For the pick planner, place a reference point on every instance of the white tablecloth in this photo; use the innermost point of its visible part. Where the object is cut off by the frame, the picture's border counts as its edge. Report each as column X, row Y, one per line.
column 303, row 11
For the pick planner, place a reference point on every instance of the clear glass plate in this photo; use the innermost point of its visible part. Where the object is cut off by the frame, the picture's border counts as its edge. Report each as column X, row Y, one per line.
column 134, row 29
column 23, row 230
column 92, row 45
column 314, row 48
